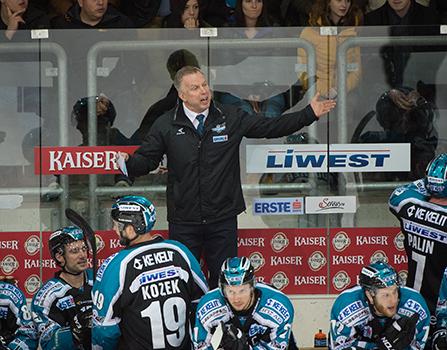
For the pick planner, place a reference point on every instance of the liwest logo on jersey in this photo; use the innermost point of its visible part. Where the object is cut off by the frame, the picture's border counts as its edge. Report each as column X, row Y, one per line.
column 424, row 231
column 278, row 206
column 315, row 158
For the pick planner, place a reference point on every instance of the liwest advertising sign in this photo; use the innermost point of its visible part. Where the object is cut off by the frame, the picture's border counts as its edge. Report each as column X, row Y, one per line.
column 296, row 261
column 78, row 160
column 316, row 158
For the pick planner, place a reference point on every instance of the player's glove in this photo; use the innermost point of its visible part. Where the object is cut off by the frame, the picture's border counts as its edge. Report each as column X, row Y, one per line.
column 439, row 339
column 258, row 337
column 233, row 338
column 399, row 334
column 81, row 328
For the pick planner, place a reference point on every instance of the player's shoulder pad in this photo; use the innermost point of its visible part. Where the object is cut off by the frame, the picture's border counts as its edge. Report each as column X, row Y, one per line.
column 351, row 306
column 105, row 264
column 10, row 291
column 415, row 190
column 47, row 292
column 211, row 306
column 181, row 248
column 275, row 304
column 411, row 301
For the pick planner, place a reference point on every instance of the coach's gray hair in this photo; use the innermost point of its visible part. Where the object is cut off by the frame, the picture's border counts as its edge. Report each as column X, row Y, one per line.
column 187, row 70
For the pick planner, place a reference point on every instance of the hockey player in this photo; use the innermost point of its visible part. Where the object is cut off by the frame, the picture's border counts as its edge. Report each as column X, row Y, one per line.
column 379, row 313
column 145, row 295
column 439, row 338
column 62, row 307
column 248, row 315
column 421, row 208
column 17, row 329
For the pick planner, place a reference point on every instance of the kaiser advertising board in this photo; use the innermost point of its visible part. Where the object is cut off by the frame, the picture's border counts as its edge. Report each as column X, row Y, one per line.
column 296, row 261
column 316, row 158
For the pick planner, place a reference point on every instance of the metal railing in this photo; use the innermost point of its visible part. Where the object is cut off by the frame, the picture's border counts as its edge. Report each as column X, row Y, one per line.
column 61, row 56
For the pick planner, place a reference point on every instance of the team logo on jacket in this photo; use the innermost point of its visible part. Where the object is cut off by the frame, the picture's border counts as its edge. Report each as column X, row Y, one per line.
column 32, row 284
column 219, row 128
column 316, row 261
column 32, row 245
column 279, row 242
column 257, row 260
column 280, row 280
column 9, row 264
column 399, row 241
column 341, row 241
column 341, row 280
column 378, row 256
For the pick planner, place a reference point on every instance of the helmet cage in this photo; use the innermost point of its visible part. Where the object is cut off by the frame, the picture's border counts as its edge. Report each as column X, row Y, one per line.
column 59, row 238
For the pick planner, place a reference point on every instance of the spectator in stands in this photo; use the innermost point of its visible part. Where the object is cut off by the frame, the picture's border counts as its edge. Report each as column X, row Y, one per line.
column 17, row 14
column 252, row 14
column 185, row 14
column 106, row 134
column 295, row 12
column 402, row 12
column 87, row 14
column 176, row 60
column 220, row 13
column 408, row 18
column 331, row 13
column 146, row 13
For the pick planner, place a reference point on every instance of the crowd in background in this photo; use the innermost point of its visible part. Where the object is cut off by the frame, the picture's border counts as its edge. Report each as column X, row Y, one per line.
column 66, row 14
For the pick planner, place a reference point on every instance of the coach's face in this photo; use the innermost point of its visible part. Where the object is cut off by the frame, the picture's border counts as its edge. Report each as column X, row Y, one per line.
column 195, row 92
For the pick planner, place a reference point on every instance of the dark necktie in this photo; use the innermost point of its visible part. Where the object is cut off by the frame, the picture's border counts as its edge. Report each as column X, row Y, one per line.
column 201, row 126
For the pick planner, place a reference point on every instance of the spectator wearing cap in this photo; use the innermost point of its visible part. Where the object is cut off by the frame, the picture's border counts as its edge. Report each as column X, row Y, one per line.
column 91, row 14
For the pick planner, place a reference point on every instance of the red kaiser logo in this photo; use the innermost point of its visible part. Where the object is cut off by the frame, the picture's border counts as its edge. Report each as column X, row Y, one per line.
column 399, row 241
column 32, row 284
column 78, row 160
column 32, row 245
column 378, row 255
column 99, row 243
column 341, row 280
column 280, row 280
column 403, row 275
column 316, row 261
column 279, row 242
column 9, row 264
column 341, row 241
column 257, row 260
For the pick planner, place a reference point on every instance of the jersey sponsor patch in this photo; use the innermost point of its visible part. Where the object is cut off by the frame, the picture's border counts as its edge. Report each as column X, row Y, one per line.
column 276, row 305
column 424, row 231
column 272, row 314
column 354, row 307
column 65, row 302
column 3, row 312
column 415, row 306
column 208, row 307
column 220, row 138
column 209, row 320
column 11, row 294
column 153, row 276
